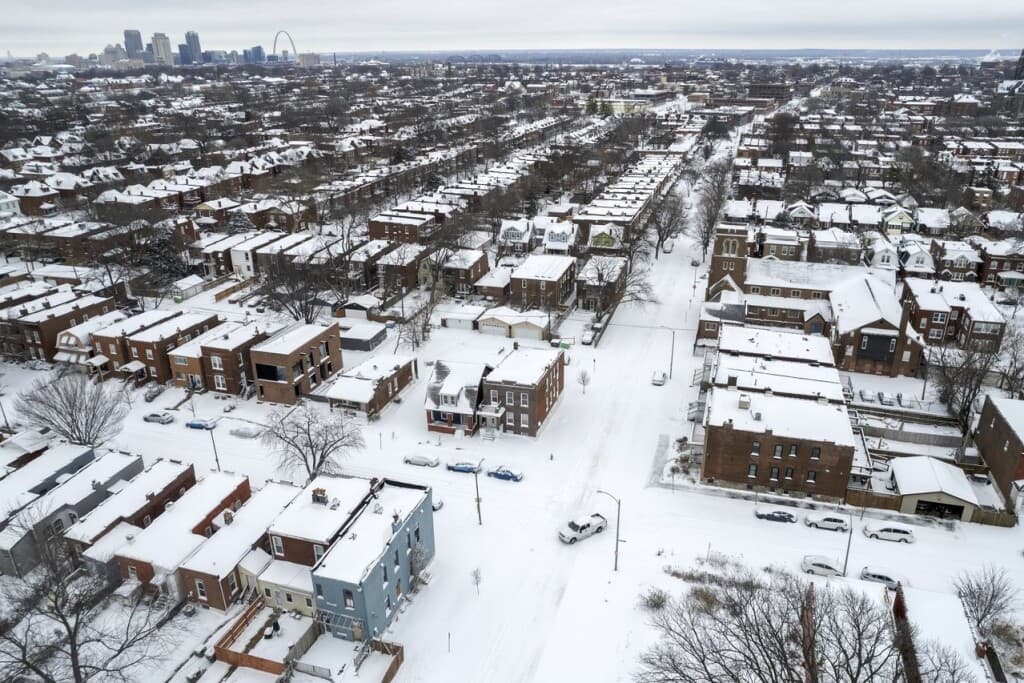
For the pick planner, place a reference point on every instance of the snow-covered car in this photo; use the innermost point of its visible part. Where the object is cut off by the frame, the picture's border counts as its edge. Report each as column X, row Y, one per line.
column 827, row 521
column 421, row 460
column 658, row 379
column 581, row 527
column 246, row 431
column 886, row 399
column 588, row 338
column 820, row 565
column 504, row 473
column 668, row 247
column 776, row 515
column 889, row 532
column 463, row 466
column 161, row 418
column 152, row 392
column 879, row 575
column 202, row 423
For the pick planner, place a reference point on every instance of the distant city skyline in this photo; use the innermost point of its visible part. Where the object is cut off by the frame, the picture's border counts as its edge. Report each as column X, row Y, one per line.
column 61, row 27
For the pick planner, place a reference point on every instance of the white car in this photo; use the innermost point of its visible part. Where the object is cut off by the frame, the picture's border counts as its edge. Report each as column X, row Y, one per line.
column 421, row 460
column 828, row 521
column 246, row 431
column 582, row 527
column 883, row 576
column 658, row 379
column 889, row 532
column 588, row 338
column 819, row 565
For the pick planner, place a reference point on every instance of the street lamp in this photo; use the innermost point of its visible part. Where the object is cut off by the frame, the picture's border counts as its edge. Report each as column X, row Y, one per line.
column 476, row 483
column 849, row 541
column 672, row 351
column 618, row 516
column 216, row 458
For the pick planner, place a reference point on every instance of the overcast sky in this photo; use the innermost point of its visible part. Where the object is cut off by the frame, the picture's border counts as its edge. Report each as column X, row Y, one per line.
column 63, row 26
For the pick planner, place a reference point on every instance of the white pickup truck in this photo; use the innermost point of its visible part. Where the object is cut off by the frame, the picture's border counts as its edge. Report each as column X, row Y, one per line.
column 581, row 527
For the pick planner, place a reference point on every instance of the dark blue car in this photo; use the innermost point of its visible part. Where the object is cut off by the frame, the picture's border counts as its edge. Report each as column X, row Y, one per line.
column 464, row 466
column 506, row 474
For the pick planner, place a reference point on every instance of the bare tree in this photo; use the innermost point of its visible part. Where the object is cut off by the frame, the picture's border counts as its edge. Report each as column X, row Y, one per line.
column 942, row 664
column 310, row 440
column 298, row 289
column 74, row 407
column 584, row 379
column 614, row 281
column 60, row 625
column 1011, row 362
column 715, row 184
column 988, row 595
column 667, row 219
column 961, row 374
column 477, row 578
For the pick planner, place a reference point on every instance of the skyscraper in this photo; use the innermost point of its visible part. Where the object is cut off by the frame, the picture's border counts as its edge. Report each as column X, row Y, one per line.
column 1019, row 75
column 162, row 49
column 258, row 55
column 185, row 54
column 192, row 40
column 133, row 43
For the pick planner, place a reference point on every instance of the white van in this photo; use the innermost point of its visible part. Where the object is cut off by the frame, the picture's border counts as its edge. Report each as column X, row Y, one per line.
column 889, row 532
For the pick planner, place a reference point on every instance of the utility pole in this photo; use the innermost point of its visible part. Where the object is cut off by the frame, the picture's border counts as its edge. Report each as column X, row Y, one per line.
column 216, row 458
column 6, row 423
column 618, row 517
column 476, row 483
column 849, row 541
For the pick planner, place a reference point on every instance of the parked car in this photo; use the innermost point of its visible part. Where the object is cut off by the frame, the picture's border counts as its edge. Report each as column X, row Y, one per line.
column 695, row 262
column 658, row 379
column 202, row 423
column 246, row 431
column 827, row 521
column 668, row 247
column 162, row 418
column 886, row 399
column 504, row 473
column 463, row 466
column 883, row 576
column 152, row 392
column 776, row 515
column 889, row 532
column 555, row 342
column 819, row 565
column 867, row 396
column 422, row 460
column 582, row 527
column 588, row 338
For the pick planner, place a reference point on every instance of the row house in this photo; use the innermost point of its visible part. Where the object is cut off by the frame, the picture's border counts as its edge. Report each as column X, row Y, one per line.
column 148, row 349
column 42, row 328
column 454, row 396
column 270, row 256
column 370, row 386
column 75, row 344
column 834, row 246
column 872, row 333
column 362, row 264
column 293, row 362
column 522, row 389
column 110, row 344
column 957, row 313
column 601, row 282
column 217, row 254
column 215, row 212
column 398, row 270
column 1000, row 440
column 462, row 268
column 543, row 281
column 1002, row 261
column 402, row 226
column 243, row 254
column 955, row 260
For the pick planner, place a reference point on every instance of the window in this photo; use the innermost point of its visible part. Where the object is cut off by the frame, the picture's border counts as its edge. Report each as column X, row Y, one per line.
column 773, row 473
column 275, row 541
column 510, row 419
column 318, row 552
column 524, row 399
column 815, row 453
column 417, row 534
column 266, row 591
column 795, row 293
column 396, row 559
column 755, row 290
column 152, row 371
column 112, row 348
column 232, row 582
column 147, row 520
column 180, row 360
column 319, row 590
column 812, row 476
column 58, row 525
column 135, row 352
column 755, row 448
column 752, row 471
column 775, row 291
column 789, row 473
column 220, row 383
column 710, row 327
column 133, row 573
column 149, row 354
column 815, row 295
column 863, row 343
column 892, row 346
column 792, row 450
column 494, row 395
column 288, row 597
column 384, row 567
column 216, row 363
column 510, row 398
column 200, row 589
column 938, row 317
column 309, row 602
column 350, row 601
column 777, row 453
column 935, row 333
column 524, row 419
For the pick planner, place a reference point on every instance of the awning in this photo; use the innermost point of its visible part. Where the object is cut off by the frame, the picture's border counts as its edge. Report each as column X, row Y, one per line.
column 133, row 367
column 97, row 361
column 68, row 357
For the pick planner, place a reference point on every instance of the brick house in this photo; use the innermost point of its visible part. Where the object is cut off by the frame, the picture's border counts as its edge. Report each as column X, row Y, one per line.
column 601, row 282
column 295, row 361
column 399, row 269
column 953, row 313
column 834, row 246
column 370, row 386
column 522, row 389
column 402, row 226
column 1002, row 261
column 543, row 281
column 495, row 285
column 872, row 332
column 454, row 396
column 152, row 556
column 148, row 349
column 42, row 328
column 1000, row 441
column 955, row 260
column 218, row 360
column 110, row 344
column 777, row 443
column 462, row 269
column 211, row 573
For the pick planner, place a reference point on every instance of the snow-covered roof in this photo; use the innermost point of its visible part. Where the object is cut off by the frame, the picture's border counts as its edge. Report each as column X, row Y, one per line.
column 16, row 489
column 790, row 378
column 168, row 328
column 524, row 366
column 864, row 301
column 292, row 338
column 786, row 417
column 319, row 522
column 288, row 575
column 510, row 316
column 546, row 267
column 249, row 523
column 920, row 474
column 785, row 344
column 456, row 379
column 368, row 536
column 808, row 275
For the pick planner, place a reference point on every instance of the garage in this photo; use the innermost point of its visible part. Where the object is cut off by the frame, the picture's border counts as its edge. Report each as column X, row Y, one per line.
column 527, row 330
column 931, row 487
column 492, row 326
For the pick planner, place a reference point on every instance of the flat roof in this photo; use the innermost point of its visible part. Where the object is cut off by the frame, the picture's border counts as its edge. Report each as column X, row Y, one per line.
column 780, row 376
column 751, row 341
column 169, row 328
column 796, row 418
column 319, row 522
column 290, row 339
column 524, row 366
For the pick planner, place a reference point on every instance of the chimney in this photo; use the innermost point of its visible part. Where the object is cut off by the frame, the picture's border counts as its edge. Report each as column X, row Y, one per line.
column 96, row 485
column 757, row 417
column 395, row 521
column 744, row 401
column 731, row 382
column 374, row 486
column 320, row 495
column 228, row 517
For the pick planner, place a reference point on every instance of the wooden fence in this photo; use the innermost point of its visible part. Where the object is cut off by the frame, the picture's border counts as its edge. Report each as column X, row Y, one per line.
column 224, row 652
column 397, row 654
column 225, row 293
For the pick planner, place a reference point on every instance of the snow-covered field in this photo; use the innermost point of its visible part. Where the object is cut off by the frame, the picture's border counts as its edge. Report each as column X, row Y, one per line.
column 547, row 611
